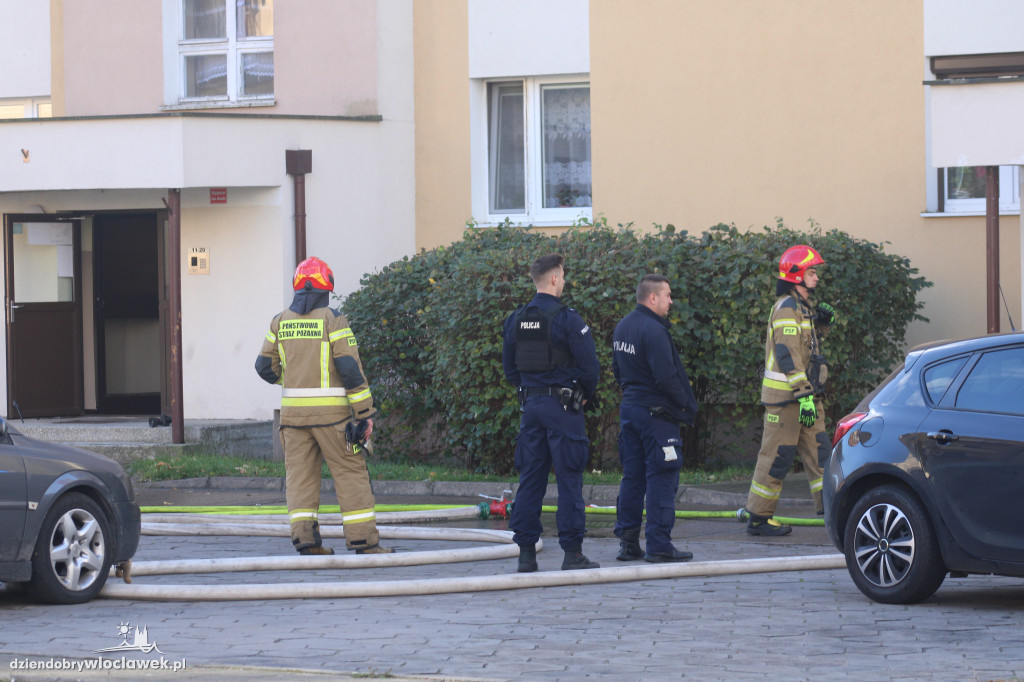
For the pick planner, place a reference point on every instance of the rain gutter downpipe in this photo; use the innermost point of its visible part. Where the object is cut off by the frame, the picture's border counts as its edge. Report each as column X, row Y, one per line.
column 173, row 204
column 992, row 246
column 299, row 162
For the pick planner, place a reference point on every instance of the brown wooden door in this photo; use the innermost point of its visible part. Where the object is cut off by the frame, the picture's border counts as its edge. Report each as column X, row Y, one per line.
column 43, row 303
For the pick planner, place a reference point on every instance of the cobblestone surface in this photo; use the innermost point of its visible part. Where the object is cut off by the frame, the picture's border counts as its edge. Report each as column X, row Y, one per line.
column 805, row 625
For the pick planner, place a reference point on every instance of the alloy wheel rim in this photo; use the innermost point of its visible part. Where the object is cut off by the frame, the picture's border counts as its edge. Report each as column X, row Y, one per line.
column 77, row 548
column 884, row 545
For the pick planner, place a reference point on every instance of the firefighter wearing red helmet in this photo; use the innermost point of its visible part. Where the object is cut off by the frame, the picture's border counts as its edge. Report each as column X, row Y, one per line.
column 311, row 352
column 794, row 380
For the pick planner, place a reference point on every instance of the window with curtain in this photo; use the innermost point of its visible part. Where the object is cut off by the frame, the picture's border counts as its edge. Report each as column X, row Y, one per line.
column 538, row 149
column 227, row 50
column 565, row 116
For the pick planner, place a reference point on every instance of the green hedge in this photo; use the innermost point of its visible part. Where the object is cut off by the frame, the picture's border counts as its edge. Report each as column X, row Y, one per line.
column 429, row 329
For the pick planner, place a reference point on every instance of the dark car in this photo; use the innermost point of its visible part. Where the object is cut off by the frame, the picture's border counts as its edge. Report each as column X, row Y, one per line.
column 926, row 476
column 66, row 517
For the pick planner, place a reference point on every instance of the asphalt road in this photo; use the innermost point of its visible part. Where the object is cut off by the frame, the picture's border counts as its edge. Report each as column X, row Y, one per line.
column 802, row 625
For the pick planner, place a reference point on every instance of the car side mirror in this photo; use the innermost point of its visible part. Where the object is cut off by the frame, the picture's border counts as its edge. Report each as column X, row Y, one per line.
column 3, row 429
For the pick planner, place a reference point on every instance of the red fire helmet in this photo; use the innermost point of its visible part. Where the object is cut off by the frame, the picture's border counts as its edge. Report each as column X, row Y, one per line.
column 316, row 273
column 795, row 261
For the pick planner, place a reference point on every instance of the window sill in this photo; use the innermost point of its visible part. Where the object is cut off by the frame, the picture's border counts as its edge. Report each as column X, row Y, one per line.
column 968, row 214
column 242, row 104
column 528, row 222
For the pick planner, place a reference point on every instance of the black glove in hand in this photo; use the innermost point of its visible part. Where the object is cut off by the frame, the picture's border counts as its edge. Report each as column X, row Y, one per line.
column 825, row 314
column 355, row 432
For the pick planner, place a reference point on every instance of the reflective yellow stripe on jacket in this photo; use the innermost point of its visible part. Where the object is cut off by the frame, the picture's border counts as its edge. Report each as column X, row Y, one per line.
column 313, row 397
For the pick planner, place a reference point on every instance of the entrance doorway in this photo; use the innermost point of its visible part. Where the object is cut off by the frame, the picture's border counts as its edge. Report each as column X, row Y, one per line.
column 130, row 337
column 86, row 304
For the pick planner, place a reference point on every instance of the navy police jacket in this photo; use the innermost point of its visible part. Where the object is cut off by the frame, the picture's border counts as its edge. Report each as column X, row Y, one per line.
column 647, row 365
column 569, row 332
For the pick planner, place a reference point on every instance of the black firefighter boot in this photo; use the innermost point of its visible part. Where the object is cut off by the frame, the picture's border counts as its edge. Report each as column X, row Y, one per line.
column 766, row 526
column 527, row 559
column 629, row 545
column 575, row 560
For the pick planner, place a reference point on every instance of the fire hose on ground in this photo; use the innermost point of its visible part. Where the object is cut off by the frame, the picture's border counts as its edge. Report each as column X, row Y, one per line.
column 499, row 507
column 265, row 521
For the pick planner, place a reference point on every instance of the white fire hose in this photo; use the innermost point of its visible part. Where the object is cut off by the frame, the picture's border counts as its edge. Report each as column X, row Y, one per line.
column 191, row 524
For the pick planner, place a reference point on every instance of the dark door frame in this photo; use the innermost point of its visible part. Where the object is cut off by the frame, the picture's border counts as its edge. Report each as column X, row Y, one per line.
column 125, row 404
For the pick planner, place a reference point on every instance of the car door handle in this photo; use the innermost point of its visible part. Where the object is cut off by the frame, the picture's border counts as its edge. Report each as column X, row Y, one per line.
column 943, row 437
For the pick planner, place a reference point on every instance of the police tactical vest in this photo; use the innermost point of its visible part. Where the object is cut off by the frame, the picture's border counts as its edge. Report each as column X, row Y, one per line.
column 534, row 350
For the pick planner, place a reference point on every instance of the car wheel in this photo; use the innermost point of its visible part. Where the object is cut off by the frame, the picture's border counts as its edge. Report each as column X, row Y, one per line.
column 891, row 550
column 73, row 552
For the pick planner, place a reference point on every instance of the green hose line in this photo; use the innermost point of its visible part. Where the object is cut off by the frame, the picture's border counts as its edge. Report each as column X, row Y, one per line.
column 797, row 521
column 335, row 509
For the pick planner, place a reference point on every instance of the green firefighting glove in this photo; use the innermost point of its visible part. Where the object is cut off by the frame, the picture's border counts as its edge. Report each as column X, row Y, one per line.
column 826, row 314
column 808, row 414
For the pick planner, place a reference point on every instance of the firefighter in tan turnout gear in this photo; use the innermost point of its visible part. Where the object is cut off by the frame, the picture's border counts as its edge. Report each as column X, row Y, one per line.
column 326, row 411
column 794, row 380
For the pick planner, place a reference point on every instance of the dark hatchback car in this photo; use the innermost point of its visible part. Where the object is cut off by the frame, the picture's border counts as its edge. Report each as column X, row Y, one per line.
column 926, row 476
column 66, row 517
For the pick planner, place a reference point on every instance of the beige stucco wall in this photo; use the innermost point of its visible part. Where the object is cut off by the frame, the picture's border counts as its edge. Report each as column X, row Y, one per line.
column 705, row 113
column 325, row 57
column 804, row 110
column 111, row 66
column 443, row 181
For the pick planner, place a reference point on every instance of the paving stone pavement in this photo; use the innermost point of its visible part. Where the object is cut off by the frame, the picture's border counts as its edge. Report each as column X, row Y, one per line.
column 804, row 625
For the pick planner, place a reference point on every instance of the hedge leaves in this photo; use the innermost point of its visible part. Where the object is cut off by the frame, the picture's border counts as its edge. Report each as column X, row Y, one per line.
column 429, row 330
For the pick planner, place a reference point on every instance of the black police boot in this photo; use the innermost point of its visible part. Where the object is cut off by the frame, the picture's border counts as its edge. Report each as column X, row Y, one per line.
column 527, row 559
column 673, row 555
column 575, row 560
column 629, row 545
column 766, row 526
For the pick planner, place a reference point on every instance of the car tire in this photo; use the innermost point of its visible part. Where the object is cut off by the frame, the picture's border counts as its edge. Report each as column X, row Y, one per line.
column 73, row 552
column 891, row 549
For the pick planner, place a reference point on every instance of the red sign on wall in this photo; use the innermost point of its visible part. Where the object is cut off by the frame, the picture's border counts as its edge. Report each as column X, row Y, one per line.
column 218, row 195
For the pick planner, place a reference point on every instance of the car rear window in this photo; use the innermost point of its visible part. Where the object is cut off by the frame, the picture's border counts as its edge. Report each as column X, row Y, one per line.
column 995, row 384
column 938, row 377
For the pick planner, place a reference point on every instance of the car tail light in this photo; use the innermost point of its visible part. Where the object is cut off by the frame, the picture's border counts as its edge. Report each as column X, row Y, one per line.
column 845, row 424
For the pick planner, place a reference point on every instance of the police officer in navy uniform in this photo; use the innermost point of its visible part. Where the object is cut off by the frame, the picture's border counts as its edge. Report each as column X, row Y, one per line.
column 549, row 355
column 656, row 399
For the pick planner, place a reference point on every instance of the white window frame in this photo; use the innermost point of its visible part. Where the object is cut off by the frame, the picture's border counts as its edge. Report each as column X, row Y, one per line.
column 1009, row 194
column 33, row 107
column 534, row 213
column 231, row 46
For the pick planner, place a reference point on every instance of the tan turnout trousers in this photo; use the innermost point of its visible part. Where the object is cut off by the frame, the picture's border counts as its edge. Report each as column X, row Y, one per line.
column 784, row 438
column 305, row 450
